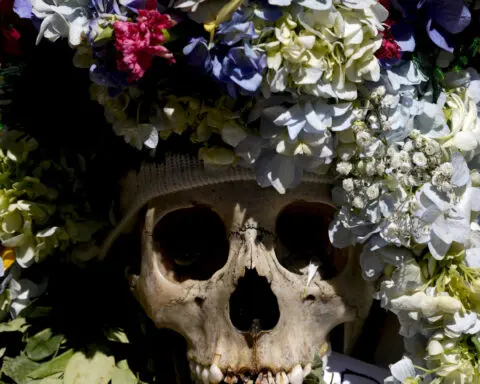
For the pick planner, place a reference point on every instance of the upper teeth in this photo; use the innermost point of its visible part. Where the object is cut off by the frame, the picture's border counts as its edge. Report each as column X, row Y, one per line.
column 213, row 375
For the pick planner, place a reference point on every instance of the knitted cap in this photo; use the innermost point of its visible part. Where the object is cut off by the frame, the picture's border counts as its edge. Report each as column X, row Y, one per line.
column 178, row 172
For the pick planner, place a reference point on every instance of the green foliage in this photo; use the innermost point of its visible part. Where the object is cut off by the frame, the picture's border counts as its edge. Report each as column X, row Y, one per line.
column 40, row 363
column 87, row 329
column 44, row 344
column 41, row 212
column 52, row 367
column 18, row 368
column 17, row 325
column 316, row 376
column 96, row 369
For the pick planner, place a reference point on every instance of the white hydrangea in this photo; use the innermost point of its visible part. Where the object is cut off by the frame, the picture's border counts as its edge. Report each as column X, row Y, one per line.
column 64, row 18
column 446, row 216
column 464, row 132
column 451, row 359
column 347, row 37
column 22, row 291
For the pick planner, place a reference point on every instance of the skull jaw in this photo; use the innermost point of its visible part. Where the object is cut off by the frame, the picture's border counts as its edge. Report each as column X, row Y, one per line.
column 218, row 347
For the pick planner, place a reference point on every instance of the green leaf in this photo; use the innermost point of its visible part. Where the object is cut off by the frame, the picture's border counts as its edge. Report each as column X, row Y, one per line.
column 95, row 370
column 123, row 375
column 18, row 368
column 316, row 376
column 105, row 34
column 36, row 311
column 17, row 325
column 52, row 367
column 44, row 344
column 54, row 379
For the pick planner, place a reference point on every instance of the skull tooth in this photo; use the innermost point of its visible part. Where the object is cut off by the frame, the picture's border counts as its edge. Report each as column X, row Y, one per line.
column 282, row 378
column 215, row 375
column 278, row 378
column 307, row 370
column 259, row 378
column 198, row 371
column 270, row 378
column 296, row 375
column 205, row 374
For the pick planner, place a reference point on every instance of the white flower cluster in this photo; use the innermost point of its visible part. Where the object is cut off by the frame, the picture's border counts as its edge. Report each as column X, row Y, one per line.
column 413, row 198
column 326, row 52
column 64, row 18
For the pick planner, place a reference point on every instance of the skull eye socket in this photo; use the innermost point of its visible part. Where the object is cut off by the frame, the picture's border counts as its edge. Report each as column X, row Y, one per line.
column 192, row 243
column 302, row 238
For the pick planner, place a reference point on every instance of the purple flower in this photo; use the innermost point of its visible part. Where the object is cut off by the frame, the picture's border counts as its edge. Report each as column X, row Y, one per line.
column 237, row 29
column 404, row 36
column 23, row 8
column 102, row 7
column 241, row 70
column 233, row 59
column 443, row 20
column 113, row 79
column 265, row 11
column 197, row 54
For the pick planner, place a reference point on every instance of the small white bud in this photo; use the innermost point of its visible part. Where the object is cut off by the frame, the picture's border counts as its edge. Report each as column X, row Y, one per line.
column 344, row 168
column 430, row 148
column 363, row 139
column 408, row 146
column 358, row 202
column 381, row 91
column 371, row 168
column 373, row 192
column 348, row 185
column 419, row 159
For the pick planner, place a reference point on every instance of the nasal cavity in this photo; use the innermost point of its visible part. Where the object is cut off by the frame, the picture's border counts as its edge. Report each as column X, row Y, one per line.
column 253, row 305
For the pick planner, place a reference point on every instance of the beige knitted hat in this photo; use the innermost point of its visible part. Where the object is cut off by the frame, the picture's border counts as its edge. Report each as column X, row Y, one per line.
column 178, row 172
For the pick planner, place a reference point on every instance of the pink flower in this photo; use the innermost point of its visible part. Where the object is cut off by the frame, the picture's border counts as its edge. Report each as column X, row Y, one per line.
column 137, row 43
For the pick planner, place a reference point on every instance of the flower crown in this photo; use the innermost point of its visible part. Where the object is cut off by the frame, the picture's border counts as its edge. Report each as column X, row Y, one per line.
column 380, row 96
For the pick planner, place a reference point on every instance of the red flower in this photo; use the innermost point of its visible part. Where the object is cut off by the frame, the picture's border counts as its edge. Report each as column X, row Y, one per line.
column 389, row 49
column 10, row 41
column 137, row 43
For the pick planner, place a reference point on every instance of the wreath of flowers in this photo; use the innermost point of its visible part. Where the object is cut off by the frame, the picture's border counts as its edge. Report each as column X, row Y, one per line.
column 383, row 96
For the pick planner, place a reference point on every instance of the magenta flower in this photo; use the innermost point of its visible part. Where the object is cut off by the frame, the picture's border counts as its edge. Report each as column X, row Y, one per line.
column 138, row 43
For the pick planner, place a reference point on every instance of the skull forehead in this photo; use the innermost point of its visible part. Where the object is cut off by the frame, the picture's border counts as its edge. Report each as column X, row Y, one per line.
column 240, row 202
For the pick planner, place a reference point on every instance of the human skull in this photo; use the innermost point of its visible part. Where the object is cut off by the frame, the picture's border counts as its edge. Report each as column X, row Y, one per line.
column 228, row 266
